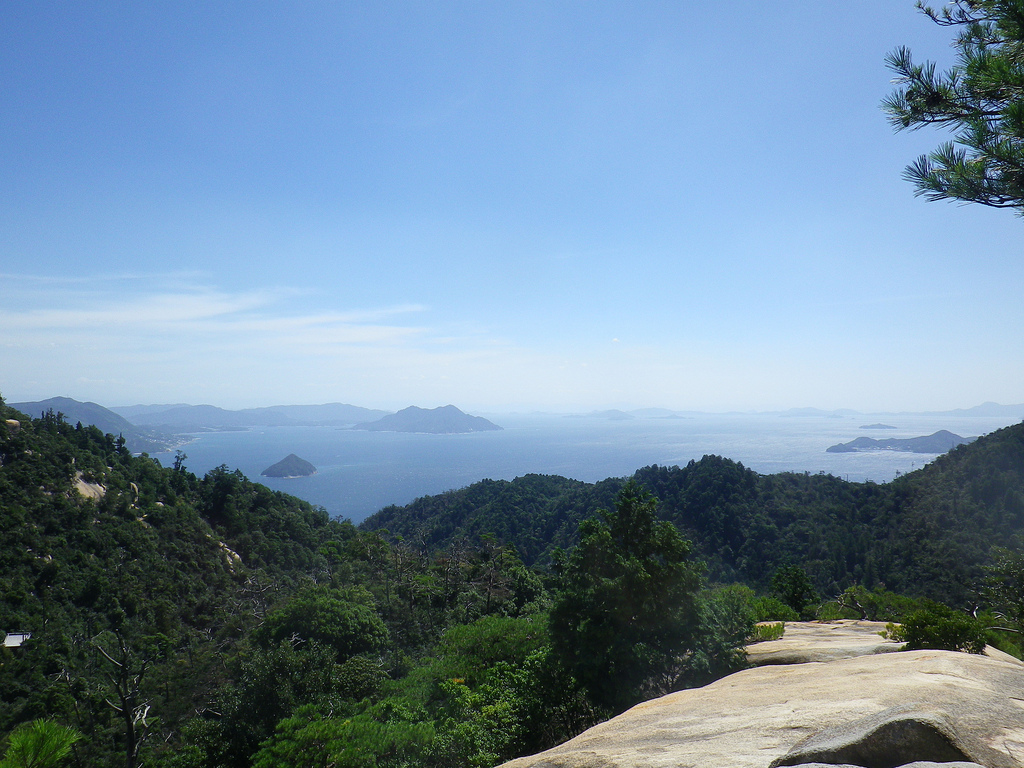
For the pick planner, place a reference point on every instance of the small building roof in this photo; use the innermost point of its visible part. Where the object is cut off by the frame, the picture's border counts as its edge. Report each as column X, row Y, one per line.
column 15, row 639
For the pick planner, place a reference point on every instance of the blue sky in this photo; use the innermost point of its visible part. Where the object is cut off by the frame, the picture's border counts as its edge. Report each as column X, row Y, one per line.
column 506, row 206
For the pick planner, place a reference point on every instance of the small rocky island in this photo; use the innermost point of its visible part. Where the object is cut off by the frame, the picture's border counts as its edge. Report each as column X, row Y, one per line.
column 878, row 426
column 447, row 420
column 939, row 442
column 290, row 466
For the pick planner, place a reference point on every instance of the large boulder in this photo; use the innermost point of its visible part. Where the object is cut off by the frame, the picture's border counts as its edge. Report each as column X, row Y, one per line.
column 880, row 710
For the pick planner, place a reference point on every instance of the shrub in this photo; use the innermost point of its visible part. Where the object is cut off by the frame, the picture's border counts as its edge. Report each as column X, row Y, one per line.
column 832, row 611
column 792, row 586
column 941, row 628
column 765, row 632
column 773, row 609
column 879, row 604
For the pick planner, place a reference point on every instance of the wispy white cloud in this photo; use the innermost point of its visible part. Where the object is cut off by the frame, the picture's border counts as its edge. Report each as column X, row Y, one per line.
column 191, row 342
column 25, row 278
column 210, row 340
column 189, row 319
column 145, row 312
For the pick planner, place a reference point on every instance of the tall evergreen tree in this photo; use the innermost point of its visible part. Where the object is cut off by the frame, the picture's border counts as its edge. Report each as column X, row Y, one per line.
column 981, row 98
column 626, row 613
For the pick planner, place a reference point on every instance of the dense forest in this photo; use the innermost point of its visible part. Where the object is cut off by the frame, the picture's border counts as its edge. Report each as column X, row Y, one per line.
column 928, row 533
column 200, row 622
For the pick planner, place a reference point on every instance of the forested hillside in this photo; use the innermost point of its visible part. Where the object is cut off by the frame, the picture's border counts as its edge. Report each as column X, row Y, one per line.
column 184, row 621
column 927, row 533
column 206, row 622
column 135, row 599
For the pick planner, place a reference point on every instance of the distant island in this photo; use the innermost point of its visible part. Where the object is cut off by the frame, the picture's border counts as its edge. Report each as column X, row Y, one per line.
column 290, row 466
column 446, row 420
column 612, row 415
column 940, row 442
column 878, row 426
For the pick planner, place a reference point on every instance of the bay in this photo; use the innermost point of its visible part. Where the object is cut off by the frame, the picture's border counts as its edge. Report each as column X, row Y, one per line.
column 360, row 472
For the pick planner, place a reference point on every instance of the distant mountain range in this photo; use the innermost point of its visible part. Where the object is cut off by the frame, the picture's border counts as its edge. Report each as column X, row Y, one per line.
column 990, row 410
column 199, row 418
column 994, row 410
column 155, row 428
column 137, row 438
column 438, row 421
column 939, row 442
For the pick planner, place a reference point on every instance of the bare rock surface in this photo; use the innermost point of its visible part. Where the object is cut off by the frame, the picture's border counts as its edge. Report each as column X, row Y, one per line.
column 89, row 490
column 896, row 736
column 806, row 641
column 875, row 710
column 915, row 764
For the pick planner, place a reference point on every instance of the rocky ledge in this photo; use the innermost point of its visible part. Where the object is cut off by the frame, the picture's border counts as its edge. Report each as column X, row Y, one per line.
column 842, row 699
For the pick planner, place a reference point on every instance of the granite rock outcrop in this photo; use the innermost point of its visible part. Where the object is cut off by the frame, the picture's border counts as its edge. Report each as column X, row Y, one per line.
column 873, row 709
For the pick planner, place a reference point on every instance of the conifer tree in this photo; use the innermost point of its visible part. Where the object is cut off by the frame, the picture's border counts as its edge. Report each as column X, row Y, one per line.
column 626, row 614
column 980, row 98
column 39, row 744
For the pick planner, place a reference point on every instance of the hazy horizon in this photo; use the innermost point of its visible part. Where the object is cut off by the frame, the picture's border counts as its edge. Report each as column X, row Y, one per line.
column 792, row 409
column 512, row 208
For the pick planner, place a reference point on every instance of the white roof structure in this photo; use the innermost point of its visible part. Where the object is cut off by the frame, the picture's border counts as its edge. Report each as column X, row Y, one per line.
column 15, row 639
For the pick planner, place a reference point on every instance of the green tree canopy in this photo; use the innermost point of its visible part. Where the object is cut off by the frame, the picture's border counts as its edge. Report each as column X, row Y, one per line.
column 981, row 98
column 39, row 744
column 792, row 585
column 626, row 613
column 309, row 740
column 324, row 615
column 1004, row 587
column 937, row 626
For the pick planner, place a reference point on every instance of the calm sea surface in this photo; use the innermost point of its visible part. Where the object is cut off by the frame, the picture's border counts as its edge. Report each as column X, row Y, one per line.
column 360, row 472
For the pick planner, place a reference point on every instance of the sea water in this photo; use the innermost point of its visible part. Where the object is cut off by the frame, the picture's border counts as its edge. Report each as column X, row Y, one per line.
column 360, row 472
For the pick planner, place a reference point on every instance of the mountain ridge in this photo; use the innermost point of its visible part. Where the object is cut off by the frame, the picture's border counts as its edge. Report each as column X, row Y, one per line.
column 194, row 418
column 235, row 569
column 137, row 438
column 745, row 525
